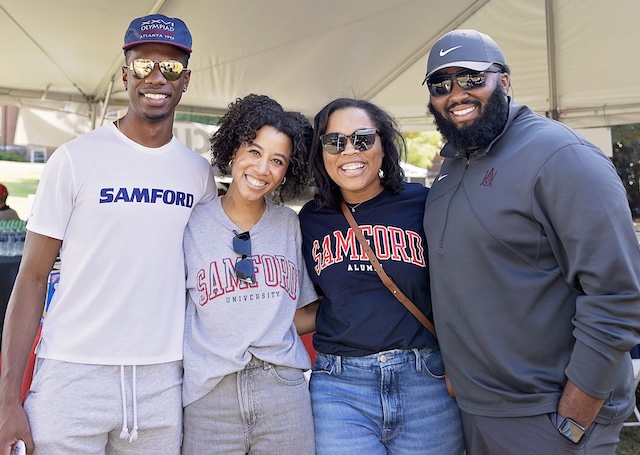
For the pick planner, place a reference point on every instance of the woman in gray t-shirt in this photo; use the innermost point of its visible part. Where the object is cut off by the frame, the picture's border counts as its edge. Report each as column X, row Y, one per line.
column 244, row 389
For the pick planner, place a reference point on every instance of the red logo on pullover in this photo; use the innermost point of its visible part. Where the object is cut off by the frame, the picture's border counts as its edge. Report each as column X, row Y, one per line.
column 489, row 177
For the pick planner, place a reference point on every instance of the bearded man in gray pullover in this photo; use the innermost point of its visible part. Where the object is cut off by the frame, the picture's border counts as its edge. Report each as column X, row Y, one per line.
column 535, row 266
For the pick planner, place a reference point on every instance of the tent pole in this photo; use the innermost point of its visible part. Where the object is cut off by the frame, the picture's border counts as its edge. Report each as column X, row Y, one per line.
column 551, row 61
column 92, row 113
column 107, row 98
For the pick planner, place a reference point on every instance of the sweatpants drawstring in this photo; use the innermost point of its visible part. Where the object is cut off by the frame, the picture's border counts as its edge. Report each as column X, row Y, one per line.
column 124, row 434
column 134, row 433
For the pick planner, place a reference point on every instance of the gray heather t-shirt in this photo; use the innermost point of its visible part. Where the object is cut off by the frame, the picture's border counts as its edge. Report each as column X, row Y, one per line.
column 229, row 321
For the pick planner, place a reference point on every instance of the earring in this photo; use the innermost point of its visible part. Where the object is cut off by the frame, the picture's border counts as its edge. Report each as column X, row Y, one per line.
column 230, row 163
column 284, row 179
column 381, row 173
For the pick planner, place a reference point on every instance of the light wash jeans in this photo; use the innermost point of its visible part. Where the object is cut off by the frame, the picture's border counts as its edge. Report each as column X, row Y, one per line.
column 392, row 402
column 263, row 409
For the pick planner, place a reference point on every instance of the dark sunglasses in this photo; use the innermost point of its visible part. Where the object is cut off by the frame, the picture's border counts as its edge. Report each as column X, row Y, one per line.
column 362, row 139
column 442, row 84
column 170, row 69
column 244, row 267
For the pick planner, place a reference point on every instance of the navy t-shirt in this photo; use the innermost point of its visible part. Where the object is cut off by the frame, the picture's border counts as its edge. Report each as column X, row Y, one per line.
column 358, row 314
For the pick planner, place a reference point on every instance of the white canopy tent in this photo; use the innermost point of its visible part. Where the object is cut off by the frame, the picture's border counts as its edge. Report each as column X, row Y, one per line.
column 574, row 60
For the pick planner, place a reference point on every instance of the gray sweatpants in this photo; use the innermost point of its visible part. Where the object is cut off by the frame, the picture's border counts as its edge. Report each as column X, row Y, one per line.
column 535, row 435
column 102, row 409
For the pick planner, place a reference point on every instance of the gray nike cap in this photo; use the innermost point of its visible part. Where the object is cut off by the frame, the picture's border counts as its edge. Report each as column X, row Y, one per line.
column 464, row 48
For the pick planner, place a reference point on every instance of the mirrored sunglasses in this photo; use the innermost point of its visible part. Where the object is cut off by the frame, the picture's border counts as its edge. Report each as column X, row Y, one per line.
column 245, row 271
column 170, row 69
column 362, row 139
column 442, row 84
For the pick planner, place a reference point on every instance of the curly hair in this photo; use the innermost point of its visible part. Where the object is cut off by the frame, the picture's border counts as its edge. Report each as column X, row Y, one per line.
column 240, row 125
column 393, row 145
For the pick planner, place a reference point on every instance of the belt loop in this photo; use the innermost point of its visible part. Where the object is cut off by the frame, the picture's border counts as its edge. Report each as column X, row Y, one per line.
column 338, row 364
column 418, row 360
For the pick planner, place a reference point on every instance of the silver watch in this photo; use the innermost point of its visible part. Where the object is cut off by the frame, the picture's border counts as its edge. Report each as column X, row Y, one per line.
column 569, row 428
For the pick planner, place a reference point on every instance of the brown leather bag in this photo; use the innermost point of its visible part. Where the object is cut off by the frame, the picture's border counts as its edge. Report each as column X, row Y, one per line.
column 390, row 284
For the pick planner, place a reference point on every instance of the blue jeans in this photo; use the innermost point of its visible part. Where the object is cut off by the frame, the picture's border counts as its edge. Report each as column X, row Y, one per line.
column 392, row 402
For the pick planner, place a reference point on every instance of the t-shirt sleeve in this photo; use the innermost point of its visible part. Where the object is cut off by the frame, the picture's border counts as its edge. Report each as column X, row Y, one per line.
column 307, row 293
column 210, row 191
column 54, row 200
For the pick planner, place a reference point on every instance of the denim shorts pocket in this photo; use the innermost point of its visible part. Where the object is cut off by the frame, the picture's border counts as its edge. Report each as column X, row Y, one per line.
column 432, row 362
column 287, row 375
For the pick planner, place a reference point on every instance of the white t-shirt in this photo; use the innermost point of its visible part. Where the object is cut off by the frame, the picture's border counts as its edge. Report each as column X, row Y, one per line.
column 120, row 210
column 229, row 321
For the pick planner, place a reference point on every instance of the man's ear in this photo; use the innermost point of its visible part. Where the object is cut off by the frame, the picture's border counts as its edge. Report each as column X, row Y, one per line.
column 505, row 79
column 125, row 76
column 187, row 78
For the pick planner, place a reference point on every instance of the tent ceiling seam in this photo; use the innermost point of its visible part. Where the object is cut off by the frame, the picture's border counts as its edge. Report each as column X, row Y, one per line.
column 17, row 24
column 422, row 51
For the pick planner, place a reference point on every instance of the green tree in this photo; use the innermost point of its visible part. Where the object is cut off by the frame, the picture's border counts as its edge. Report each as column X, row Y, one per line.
column 422, row 147
column 626, row 158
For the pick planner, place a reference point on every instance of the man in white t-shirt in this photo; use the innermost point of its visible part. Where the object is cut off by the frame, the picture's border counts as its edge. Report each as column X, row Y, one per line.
column 113, row 203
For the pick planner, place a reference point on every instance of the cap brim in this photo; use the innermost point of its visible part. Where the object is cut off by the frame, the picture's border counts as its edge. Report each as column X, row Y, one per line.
column 475, row 66
column 130, row 45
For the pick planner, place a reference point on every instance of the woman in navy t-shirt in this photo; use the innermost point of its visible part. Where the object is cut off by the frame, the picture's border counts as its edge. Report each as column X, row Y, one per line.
column 378, row 385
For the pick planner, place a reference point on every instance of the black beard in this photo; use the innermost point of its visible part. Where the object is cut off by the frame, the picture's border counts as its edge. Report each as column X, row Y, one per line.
column 483, row 130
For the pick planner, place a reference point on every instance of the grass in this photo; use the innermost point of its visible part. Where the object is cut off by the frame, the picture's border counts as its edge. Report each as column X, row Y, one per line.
column 21, row 179
column 22, row 188
column 630, row 437
column 629, row 441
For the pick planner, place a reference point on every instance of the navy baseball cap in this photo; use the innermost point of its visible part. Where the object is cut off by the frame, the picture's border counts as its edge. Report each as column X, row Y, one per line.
column 464, row 48
column 156, row 28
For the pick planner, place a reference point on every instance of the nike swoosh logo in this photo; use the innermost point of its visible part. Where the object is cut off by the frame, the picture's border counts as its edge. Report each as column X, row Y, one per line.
column 440, row 177
column 443, row 52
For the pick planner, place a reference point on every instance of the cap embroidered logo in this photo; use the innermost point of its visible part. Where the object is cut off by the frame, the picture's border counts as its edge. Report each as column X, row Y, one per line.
column 443, row 52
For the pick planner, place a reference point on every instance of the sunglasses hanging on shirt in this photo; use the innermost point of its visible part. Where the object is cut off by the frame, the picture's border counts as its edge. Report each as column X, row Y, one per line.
column 244, row 267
